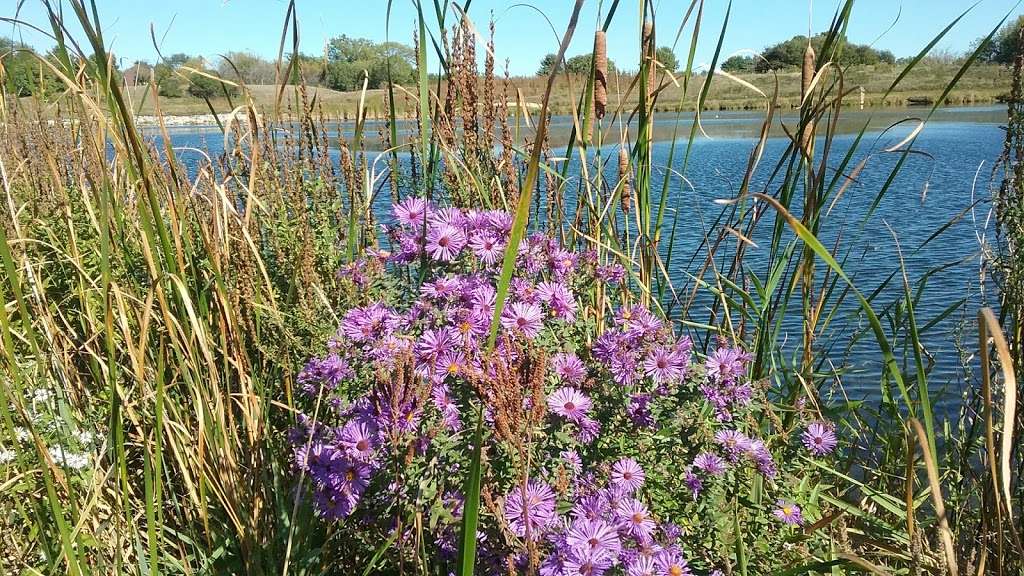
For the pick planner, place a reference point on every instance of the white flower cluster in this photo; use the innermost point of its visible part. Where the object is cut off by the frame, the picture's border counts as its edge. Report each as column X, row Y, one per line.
column 6, row 456
column 75, row 461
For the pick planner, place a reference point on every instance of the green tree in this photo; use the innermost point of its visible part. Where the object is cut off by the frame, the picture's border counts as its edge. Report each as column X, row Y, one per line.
column 547, row 64
column 738, row 64
column 790, row 54
column 579, row 64
column 1003, row 46
column 246, row 67
column 667, row 58
column 22, row 73
column 201, row 86
column 349, row 60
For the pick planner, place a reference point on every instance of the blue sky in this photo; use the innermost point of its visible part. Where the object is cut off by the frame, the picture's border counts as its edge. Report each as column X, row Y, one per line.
column 211, row 27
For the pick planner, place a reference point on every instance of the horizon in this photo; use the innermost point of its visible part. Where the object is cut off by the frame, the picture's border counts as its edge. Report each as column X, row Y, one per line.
column 899, row 28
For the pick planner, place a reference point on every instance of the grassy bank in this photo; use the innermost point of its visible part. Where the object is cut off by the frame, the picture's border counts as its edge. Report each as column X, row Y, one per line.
column 982, row 84
column 246, row 369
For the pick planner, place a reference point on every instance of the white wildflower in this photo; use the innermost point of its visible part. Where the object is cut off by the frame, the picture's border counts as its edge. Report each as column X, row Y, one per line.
column 21, row 434
column 67, row 459
column 86, row 437
column 6, row 456
column 41, row 395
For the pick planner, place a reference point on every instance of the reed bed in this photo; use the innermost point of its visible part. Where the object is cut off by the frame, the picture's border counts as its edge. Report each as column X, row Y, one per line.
column 157, row 320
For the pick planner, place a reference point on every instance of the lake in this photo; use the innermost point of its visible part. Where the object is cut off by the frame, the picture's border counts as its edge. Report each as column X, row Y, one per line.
column 952, row 172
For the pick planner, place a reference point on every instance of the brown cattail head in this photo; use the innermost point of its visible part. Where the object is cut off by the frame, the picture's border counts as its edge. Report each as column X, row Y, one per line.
column 806, row 77
column 625, row 177
column 600, row 73
column 807, row 71
column 647, row 52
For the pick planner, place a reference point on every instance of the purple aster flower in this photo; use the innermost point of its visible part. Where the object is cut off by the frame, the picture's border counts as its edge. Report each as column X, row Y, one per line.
column 589, row 430
column 524, row 318
column 819, row 439
column 595, row 539
column 572, row 460
column 638, row 322
column 693, row 483
column 623, row 366
column 591, row 507
column 612, row 274
column 788, row 513
column 639, row 411
column 665, row 364
column 450, row 215
column 446, row 405
column 635, row 518
column 433, row 343
column 334, row 505
column 672, row 563
column 444, row 242
column 349, row 477
column 328, row 372
column 627, row 474
column 562, row 303
column 450, row 363
column 710, row 463
column 642, row 566
column 568, row 367
column 562, row 262
column 411, row 211
column 584, row 566
column 358, row 439
column 531, row 512
column 734, row 442
column 671, row 532
column 606, row 346
column 762, row 458
column 500, row 222
column 569, row 403
column 487, row 248
column 441, row 288
column 727, row 364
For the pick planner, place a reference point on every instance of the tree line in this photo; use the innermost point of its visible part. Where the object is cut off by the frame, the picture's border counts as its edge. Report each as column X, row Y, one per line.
column 346, row 63
column 1001, row 49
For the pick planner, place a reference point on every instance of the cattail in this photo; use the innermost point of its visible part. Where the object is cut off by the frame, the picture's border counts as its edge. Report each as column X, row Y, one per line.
column 806, row 77
column 625, row 177
column 600, row 73
column 647, row 52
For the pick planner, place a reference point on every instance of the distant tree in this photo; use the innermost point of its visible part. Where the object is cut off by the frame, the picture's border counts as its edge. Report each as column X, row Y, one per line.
column 1003, row 46
column 738, row 64
column 22, row 73
column 579, row 64
column 246, row 67
column 201, row 86
column 175, row 60
column 349, row 60
column 547, row 64
column 667, row 58
column 790, row 54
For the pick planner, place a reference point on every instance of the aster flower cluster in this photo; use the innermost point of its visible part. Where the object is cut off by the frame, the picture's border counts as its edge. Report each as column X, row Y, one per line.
column 395, row 385
column 441, row 331
column 608, row 527
column 642, row 355
column 727, row 389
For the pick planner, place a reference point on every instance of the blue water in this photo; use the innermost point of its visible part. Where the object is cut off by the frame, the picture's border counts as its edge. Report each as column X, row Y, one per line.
column 950, row 172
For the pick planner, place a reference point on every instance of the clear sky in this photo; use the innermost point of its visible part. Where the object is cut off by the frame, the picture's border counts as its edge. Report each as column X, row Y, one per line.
column 523, row 36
